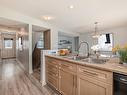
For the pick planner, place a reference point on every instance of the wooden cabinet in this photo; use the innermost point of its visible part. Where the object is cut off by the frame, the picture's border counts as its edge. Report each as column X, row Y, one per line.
column 61, row 75
column 67, row 83
column 67, row 78
column 52, row 72
column 73, row 79
column 92, row 81
column 96, row 74
column 67, row 66
column 91, row 87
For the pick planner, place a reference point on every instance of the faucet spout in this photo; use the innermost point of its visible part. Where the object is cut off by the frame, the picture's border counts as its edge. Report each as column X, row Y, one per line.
column 88, row 54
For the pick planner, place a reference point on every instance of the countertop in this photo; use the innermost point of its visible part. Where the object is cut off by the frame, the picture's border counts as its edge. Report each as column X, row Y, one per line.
column 112, row 65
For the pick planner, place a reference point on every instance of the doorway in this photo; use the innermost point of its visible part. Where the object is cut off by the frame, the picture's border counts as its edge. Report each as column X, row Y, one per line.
column 40, row 42
column 8, row 44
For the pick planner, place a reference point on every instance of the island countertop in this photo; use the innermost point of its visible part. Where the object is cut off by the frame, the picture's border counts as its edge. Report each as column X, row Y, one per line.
column 112, row 65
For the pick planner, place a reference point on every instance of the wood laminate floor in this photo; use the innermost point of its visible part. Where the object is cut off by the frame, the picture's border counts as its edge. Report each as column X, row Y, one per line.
column 13, row 81
column 36, row 74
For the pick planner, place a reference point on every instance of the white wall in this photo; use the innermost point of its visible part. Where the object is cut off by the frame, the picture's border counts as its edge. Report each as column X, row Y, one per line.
column 23, row 56
column 119, row 36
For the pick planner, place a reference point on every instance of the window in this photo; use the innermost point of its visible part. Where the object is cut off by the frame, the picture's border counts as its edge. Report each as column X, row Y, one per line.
column 8, row 42
column 40, row 44
column 105, row 42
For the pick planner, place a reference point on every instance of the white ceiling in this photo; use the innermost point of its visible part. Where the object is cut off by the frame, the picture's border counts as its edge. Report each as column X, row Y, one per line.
column 109, row 13
column 11, row 23
column 38, row 28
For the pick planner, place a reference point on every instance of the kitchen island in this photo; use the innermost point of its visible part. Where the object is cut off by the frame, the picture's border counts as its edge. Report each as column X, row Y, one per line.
column 76, row 77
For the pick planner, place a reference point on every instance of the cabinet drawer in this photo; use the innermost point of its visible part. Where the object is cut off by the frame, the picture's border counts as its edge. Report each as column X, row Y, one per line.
column 68, row 66
column 52, row 74
column 100, row 75
column 53, row 82
column 52, row 61
column 52, row 68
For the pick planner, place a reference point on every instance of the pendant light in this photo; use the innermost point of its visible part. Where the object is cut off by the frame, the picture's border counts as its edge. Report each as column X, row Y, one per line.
column 96, row 34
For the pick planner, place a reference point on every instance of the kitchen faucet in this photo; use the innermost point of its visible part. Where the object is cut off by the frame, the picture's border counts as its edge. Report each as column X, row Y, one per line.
column 88, row 54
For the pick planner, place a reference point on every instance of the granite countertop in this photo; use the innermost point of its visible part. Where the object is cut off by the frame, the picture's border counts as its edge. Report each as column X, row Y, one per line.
column 112, row 65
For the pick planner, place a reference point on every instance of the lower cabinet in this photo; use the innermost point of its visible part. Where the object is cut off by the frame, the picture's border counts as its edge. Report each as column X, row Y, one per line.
column 53, row 81
column 52, row 73
column 73, row 79
column 91, row 87
column 67, row 83
column 91, row 81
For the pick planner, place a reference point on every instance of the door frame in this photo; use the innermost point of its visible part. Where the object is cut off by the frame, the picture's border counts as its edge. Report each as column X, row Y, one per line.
column 8, row 35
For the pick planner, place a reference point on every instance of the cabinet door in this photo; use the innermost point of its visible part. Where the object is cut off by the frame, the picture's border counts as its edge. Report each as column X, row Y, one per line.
column 66, row 83
column 92, row 87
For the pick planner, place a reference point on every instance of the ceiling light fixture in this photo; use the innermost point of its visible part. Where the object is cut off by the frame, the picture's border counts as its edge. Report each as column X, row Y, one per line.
column 96, row 34
column 47, row 17
column 71, row 6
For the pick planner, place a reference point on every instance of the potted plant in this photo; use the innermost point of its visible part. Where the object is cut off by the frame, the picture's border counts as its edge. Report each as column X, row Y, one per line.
column 122, row 53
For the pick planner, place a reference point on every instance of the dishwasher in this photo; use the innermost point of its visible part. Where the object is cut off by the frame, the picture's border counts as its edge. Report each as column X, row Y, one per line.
column 120, row 84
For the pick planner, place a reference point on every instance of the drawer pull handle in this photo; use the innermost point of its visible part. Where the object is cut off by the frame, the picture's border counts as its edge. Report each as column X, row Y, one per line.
column 124, row 80
column 70, row 67
column 89, row 72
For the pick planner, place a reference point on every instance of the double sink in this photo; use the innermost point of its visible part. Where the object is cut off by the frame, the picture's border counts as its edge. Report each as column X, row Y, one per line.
column 88, row 59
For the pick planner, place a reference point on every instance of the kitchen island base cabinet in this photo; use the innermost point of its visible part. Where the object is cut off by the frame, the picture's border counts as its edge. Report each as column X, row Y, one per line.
column 66, row 83
column 52, row 73
column 88, row 87
column 69, row 78
column 92, row 81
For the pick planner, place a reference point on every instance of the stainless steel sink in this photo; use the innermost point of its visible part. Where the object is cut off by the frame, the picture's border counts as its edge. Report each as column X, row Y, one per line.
column 95, row 60
column 79, row 57
column 76, row 57
column 86, row 59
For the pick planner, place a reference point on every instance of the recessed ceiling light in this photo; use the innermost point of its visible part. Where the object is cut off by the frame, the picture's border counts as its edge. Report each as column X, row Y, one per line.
column 47, row 17
column 71, row 6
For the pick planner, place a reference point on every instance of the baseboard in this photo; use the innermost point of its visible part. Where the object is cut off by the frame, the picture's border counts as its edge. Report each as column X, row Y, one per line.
column 43, row 83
